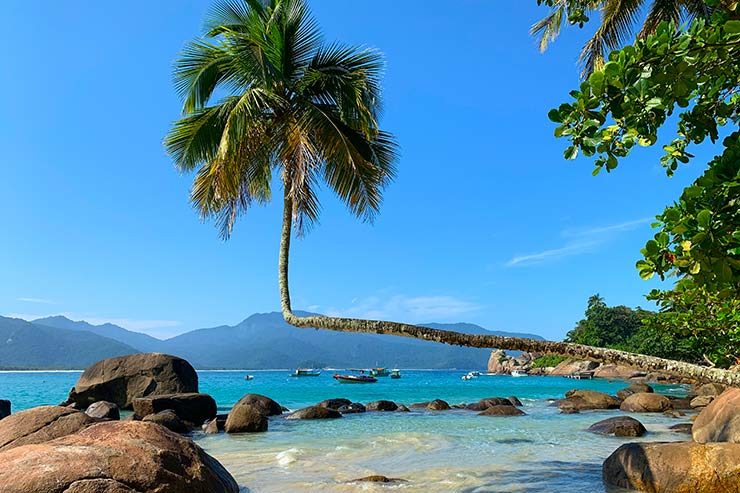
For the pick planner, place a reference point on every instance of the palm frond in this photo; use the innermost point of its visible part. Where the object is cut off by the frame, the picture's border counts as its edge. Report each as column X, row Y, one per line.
column 618, row 18
column 548, row 28
column 661, row 11
column 200, row 68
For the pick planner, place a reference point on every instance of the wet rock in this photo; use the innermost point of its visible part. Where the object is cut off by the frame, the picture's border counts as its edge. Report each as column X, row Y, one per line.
column 403, row 409
column 438, row 405
column 634, row 388
column 686, row 467
column 4, row 408
column 334, row 403
column 352, row 408
column 720, row 420
column 378, row 479
column 681, row 428
column 194, row 408
column 40, row 424
column 502, row 411
column 267, row 406
column 588, row 399
column 121, row 380
column 515, row 401
column 247, row 418
column 644, row 402
column 381, row 406
column 701, row 401
column 315, row 412
column 103, row 410
column 169, row 419
column 484, row 404
column 211, row 427
column 114, row 457
column 620, row 426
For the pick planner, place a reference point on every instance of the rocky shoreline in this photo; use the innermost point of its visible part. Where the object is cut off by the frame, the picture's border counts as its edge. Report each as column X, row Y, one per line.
column 82, row 446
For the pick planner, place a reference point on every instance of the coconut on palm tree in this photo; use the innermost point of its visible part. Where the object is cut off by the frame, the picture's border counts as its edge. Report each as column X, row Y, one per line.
column 264, row 96
column 619, row 19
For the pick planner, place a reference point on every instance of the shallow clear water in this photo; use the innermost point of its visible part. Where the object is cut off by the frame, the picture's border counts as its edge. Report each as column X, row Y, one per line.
column 544, row 451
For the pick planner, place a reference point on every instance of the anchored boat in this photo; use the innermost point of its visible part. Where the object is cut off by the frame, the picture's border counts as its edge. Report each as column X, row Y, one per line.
column 354, row 378
column 395, row 373
column 519, row 373
column 379, row 372
column 306, row 372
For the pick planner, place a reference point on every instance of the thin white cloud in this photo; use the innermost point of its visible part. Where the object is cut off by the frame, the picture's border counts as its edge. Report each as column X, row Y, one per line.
column 582, row 240
column 40, row 301
column 412, row 309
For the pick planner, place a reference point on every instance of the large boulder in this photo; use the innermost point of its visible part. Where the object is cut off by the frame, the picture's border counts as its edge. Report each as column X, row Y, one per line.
column 315, row 412
column 579, row 400
column 438, row 405
column 617, row 372
column 40, row 424
column 381, row 406
column 701, row 401
column 646, row 402
column 246, row 418
column 634, row 388
column 114, row 457
column 620, row 426
column 4, row 408
column 720, row 420
column 123, row 379
column 502, row 411
column 103, row 410
column 487, row 402
column 267, row 406
column 193, row 407
column 713, row 389
column 169, row 419
column 352, row 408
column 686, row 467
column 568, row 367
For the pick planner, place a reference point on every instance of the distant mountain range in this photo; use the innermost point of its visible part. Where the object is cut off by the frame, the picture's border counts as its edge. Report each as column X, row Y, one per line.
column 261, row 341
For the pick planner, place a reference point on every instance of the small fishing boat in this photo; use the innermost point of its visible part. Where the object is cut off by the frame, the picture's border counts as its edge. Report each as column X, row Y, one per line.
column 354, row 379
column 379, row 372
column 395, row 373
column 306, row 372
column 519, row 373
column 471, row 375
column 248, row 377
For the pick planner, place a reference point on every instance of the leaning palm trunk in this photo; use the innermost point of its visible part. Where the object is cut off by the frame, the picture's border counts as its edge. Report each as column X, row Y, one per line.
column 340, row 324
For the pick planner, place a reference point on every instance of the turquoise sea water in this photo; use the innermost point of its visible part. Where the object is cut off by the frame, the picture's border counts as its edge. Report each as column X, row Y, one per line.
column 544, row 451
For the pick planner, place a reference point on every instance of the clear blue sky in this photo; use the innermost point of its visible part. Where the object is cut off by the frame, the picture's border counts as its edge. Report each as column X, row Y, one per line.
column 485, row 223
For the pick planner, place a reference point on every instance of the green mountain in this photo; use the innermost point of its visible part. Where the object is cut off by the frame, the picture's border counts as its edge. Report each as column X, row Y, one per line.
column 27, row 345
column 142, row 342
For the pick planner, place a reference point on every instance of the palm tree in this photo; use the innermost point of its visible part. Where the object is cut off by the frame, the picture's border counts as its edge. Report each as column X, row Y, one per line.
column 618, row 20
column 307, row 111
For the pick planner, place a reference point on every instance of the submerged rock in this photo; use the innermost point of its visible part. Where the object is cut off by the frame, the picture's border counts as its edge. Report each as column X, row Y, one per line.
column 381, row 406
column 103, row 410
column 193, row 407
column 334, row 403
column 114, row 457
column 378, row 479
column 686, row 467
column 502, row 411
column 40, row 424
column 315, row 412
column 644, row 402
column 720, row 420
column 123, row 379
column 352, row 408
column 246, row 418
column 620, row 426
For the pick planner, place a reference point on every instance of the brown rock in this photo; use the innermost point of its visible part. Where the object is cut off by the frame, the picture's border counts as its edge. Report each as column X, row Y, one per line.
column 246, row 418
column 620, row 426
column 644, row 402
column 211, row 427
column 438, row 405
column 334, row 403
column 169, row 419
column 634, row 388
column 588, row 399
column 680, row 403
column 617, row 372
column 378, row 479
column 403, row 409
column 103, row 410
column 315, row 412
column 352, row 408
column 675, row 467
column 713, row 389
column 514, row 401
column 40, row 424
column 122, row 379
column 569, row 367
column 681, row 428
column 114, row 457
column 381, row 406
column 720, row 420
column 267, row 406
column 701, row 401
column 193, row 407
column 502, row 411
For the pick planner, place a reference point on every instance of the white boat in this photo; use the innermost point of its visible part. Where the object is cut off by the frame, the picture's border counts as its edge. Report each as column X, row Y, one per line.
column 306, row 372
column 471, row 375
column 519, row 373
column 248, row 377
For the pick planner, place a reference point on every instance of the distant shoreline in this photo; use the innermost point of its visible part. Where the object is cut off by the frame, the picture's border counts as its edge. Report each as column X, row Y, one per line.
column 212, row 370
